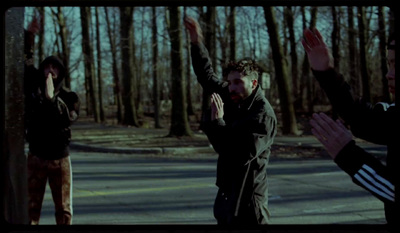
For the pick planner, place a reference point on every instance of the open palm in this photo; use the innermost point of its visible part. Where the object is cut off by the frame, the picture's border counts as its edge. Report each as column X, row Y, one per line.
column 319, row 55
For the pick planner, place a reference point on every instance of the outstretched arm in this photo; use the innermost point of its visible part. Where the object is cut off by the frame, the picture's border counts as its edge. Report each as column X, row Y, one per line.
column 201, row 61
column 31, row 31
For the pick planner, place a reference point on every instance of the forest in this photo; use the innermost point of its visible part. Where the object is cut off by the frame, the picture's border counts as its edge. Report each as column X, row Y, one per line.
column 131, row 65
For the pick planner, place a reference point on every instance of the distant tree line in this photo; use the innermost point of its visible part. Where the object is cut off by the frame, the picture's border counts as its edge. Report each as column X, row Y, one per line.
column 133, row 59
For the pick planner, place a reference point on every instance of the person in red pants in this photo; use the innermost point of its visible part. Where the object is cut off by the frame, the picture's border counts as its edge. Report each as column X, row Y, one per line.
column 49, row 111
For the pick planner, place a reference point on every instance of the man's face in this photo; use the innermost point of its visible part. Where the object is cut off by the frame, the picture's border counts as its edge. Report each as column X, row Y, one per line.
column 240, row 87
column 51, row 69
column 391, row 70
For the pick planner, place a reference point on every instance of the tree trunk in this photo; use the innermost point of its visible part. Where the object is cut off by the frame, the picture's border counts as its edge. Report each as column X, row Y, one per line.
column 354, row 79
column 137, row 70
column 179, row 119
column 117, row 89
column 156, row 85
column 190, row 110
column 310, row 78
column 382, row 52
column 232, row 33
column 15, row 193
column 293, row 53
column 99, row 75
column 209, row 41
column 41, row 35
column 126, row 17
column 289, row 125
column 88, row 60
column 306, row 82
column 335, row 37
column 363, row 54
column 65, row 51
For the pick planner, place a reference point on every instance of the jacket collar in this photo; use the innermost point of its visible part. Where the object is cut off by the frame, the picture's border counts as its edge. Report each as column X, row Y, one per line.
column 248, row 102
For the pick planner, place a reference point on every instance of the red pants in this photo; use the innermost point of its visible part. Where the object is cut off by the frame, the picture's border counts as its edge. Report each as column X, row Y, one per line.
column 60, row 180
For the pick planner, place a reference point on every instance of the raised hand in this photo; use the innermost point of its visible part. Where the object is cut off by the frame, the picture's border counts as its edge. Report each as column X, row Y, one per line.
column 34, row 26
column 217, row 107
column 332, row 134
column 319, row 55
column 196, row 35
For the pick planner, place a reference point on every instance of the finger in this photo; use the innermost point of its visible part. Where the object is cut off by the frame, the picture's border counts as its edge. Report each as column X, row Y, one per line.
column 330, row 124
column 311, row 38
column 212, row 99
column 217, row 97
column 341, row 125
column 188, row 22
column 319, row 137
column 318, row 35
column 308, row 36
column 318, row 130
column 320, row 125
column 305, row 46
column 219, row 100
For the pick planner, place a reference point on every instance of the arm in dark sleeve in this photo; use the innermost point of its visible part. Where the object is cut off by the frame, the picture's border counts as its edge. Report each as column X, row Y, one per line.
column 202, row 67
column 364, row 122
column 29, row 39
column 75, row 104
column 338, row 91
column 31, row 73
column 366, row 171
column 69, row 102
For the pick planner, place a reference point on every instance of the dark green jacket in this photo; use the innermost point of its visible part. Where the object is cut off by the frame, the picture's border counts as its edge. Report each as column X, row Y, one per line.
column 242, row 139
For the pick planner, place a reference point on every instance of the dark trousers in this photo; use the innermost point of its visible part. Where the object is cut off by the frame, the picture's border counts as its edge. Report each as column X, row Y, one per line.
column 59, row 174
column 225, row 208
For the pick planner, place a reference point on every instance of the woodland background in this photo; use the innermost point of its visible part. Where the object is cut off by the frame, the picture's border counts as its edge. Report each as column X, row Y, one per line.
column 132, row 64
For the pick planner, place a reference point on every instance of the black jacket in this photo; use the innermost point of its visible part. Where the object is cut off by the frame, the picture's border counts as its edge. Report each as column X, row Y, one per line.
column 243, row 139
column 378, row 124
column 47, row 122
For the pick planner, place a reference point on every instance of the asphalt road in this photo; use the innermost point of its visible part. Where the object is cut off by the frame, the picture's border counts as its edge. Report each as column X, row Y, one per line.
column 148, row 189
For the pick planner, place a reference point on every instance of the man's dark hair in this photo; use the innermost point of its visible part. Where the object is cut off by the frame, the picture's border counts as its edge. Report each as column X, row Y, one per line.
column 245, row 66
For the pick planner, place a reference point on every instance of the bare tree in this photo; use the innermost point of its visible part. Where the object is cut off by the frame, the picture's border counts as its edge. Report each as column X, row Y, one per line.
column 289, row 124
column 232, row 33
column 41, row 35
column 179, row 119
column 208, row 19
column 64, row 53
column 382, row 52
column 306, row 82
column 363, row 53
column 87, row 50
column 352, row 50
column 116, row 81
column 128, row 98
column 15, row 188
column 156, row 86
column 99, row 74
column 335, row 36
column 190, row 110
column 293, row 54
